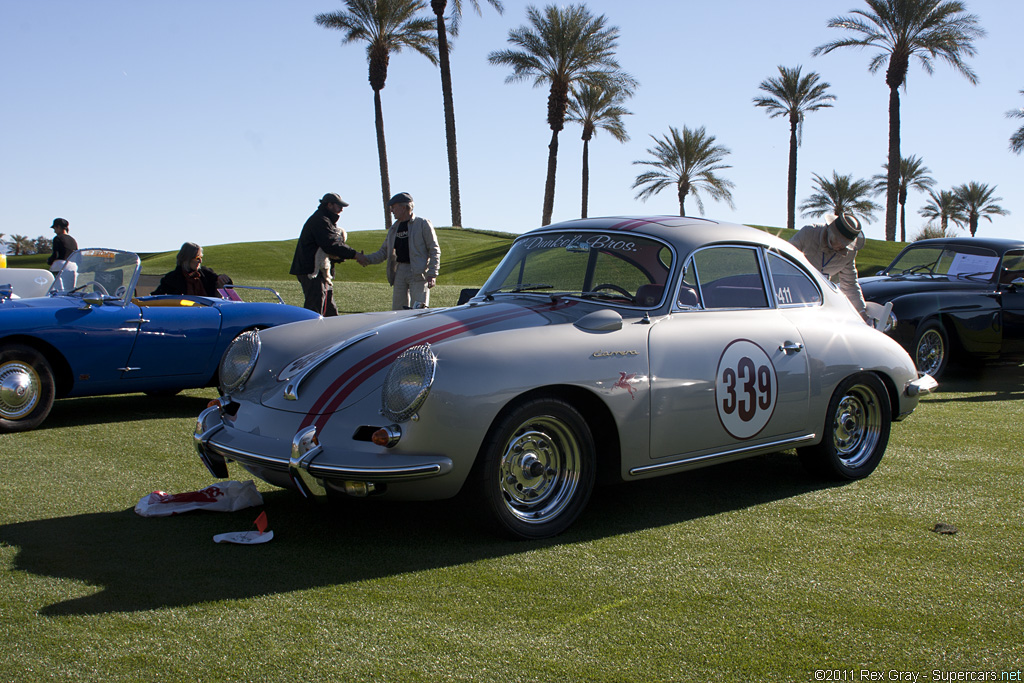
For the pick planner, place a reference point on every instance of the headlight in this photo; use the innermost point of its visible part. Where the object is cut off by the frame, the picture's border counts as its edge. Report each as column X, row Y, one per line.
column 408, row 383
column 239, row 360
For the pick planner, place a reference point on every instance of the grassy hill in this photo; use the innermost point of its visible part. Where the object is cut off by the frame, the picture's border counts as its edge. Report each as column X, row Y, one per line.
column 468, row 257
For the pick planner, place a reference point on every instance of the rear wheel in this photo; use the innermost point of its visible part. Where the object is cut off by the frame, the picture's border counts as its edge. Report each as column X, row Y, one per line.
column 26, row 388
column 537, row 469
column 931, row 349
column 856, row 430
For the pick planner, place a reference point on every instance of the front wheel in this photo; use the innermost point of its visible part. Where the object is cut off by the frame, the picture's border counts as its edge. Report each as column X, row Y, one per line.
column 26, row 388
column 931, row 349
column 537, row 469
column 856, row 430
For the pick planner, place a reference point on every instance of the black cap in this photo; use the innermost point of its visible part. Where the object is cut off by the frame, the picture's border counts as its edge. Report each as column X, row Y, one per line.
column 400, row 198
column 334, row 198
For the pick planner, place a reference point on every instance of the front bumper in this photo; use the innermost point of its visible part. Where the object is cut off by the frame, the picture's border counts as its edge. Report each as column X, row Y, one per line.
column 307, row 466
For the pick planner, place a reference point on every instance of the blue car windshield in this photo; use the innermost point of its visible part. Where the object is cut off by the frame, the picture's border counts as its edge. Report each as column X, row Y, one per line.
column 108, row 272
column 601, row 265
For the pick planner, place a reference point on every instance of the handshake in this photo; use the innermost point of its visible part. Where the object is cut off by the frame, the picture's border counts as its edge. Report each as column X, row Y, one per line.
column 362, row 260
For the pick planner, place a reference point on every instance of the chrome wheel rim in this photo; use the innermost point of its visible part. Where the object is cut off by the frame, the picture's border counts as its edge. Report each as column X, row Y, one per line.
column 540, row 470
column 930, row 352
column 19, row 390
column 857, row 426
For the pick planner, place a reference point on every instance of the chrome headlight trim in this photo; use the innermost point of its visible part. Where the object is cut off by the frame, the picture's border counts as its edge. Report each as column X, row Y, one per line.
column 408, row 382
column 238, row 361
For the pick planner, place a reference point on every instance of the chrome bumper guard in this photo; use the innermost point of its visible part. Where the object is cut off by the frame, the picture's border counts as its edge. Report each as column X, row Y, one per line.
column 922, row 385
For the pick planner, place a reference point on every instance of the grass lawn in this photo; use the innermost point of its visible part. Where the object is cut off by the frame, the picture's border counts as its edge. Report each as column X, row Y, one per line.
column 749, row 571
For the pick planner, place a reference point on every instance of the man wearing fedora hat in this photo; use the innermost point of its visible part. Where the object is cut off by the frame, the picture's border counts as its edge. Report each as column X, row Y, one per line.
column 832, row 248
column 321, row 232
column 412, row 253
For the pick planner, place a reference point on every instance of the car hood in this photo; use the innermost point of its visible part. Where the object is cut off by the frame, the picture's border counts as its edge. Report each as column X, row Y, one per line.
column 884, row 288
column 40, row 303
column 323, row 365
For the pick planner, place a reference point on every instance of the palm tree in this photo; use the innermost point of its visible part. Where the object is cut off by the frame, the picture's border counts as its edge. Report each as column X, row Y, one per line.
column 438, row 6
column 793, row 95
column 596, row 108
column 902, row 29
column 20, row 244
column 386, row 26
column 562, row 47
column 841, row 195
column 943, row 206
column 913, row 175
column 688, row 161
column 975, row 201
column 1017, row 139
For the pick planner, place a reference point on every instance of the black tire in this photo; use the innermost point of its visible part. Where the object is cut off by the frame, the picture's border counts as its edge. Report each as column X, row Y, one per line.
column 27, row 388
column 931, row 349
column 536, row 469
column 855, row 433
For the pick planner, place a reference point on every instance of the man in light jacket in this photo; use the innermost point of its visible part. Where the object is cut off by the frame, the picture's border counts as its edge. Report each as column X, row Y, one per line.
column 412, row 254
column 832, row 248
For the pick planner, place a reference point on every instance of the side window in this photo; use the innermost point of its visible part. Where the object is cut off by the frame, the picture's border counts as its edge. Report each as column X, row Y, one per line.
column 1012, row 268
column 791, row 285
column 730, row 277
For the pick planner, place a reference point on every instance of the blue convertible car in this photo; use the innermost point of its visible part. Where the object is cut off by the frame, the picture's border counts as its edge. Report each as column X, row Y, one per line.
column 91, row 336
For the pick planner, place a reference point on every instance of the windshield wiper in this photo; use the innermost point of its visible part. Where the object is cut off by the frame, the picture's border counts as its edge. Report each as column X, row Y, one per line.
column 530, row 287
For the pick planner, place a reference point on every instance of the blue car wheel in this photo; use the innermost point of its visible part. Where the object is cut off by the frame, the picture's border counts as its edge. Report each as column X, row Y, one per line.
column 26, row 388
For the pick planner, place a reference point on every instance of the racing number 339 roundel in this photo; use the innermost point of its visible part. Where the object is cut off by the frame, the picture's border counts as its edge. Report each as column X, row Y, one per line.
column 745, row 389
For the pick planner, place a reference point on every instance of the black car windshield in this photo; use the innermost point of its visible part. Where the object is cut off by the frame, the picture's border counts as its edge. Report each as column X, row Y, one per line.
column 949, row 260
column 613, row 267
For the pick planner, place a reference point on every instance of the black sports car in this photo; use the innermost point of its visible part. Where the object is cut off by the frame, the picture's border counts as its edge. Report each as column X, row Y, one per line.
column 957, row 298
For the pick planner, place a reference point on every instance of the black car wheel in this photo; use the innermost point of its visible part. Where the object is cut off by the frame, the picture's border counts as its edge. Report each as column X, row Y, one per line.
column 26, row 388
column 856, row 430
column 537, row 469
column 931, row 349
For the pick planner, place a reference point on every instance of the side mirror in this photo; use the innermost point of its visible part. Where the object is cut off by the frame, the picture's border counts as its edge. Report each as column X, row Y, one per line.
column 93, row 299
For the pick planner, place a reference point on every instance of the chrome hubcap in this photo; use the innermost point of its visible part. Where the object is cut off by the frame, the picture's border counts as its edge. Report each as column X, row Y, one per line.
column 930, row 352
column 19, row 390
column 857, row 426
column 540, row 469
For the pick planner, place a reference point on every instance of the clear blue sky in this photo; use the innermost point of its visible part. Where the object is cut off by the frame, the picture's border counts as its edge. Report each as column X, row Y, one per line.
column 148, row 124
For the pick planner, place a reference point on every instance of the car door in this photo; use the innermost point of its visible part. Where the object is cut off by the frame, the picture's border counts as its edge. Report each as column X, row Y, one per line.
column 1012, row 302
column 729, row 372
column 96, row 340
column 177, row 337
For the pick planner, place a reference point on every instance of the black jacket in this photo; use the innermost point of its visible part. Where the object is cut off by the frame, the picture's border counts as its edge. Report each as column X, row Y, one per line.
column 320, row 230
column 174, row 282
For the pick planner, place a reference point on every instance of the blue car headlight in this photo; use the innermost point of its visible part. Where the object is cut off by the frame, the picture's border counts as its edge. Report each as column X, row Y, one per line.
column 408, row 383
column 238, row 361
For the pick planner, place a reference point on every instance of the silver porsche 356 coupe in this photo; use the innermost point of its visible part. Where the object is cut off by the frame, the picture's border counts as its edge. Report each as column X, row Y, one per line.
column 621, row 348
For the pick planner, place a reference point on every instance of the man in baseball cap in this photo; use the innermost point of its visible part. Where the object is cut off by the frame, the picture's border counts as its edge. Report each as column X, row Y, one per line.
column 321, row 237
column 832, row 248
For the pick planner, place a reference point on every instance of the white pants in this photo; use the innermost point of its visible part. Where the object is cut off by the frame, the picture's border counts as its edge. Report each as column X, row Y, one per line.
column 410, row 288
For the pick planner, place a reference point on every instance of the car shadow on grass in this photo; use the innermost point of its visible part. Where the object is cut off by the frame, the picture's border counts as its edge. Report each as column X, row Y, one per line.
column 131, row 563
column 1002, row 381
column 97, row 410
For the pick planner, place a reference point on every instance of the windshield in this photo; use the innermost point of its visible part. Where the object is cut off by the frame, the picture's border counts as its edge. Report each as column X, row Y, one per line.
column 107, row 272
column 624, row 269
column 952, row 261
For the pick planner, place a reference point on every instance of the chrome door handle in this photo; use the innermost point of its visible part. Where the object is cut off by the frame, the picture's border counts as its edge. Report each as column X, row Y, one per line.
column 789, row 347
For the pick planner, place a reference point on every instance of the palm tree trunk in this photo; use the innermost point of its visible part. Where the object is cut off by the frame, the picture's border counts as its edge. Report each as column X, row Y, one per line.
column 683, row 191
column 382, row 155
column 893, row 181
column 586, row 177
column 903, row 221
column 791, row 187
column 549, row 185
column 449, row 121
